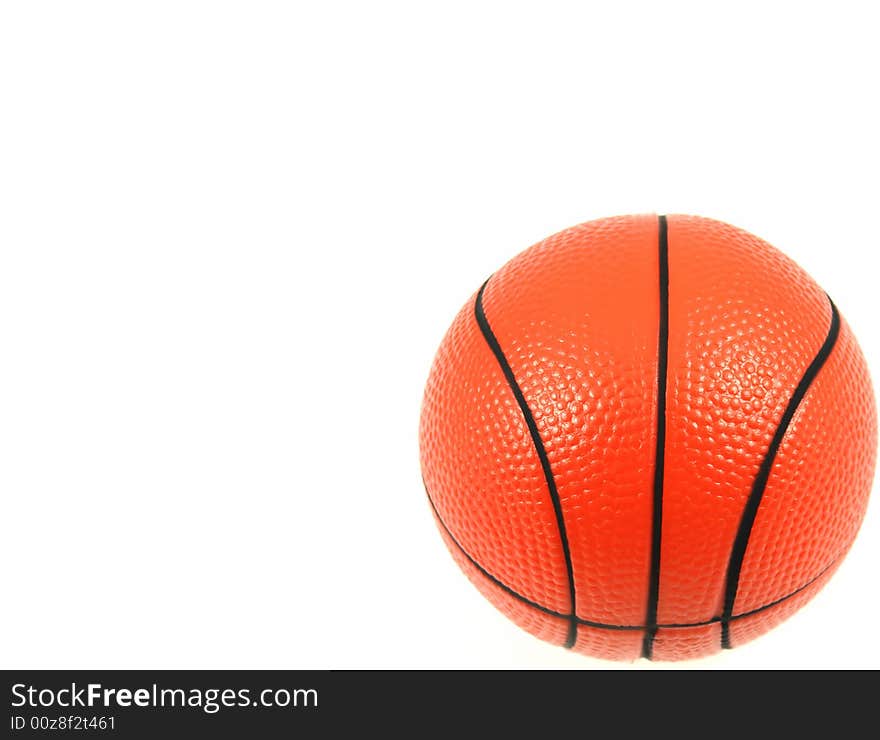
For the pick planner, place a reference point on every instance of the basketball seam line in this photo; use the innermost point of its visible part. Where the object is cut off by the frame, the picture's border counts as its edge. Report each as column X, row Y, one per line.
column 659, row 456
column 750, row 511
column 603, row 625
column 494, row 345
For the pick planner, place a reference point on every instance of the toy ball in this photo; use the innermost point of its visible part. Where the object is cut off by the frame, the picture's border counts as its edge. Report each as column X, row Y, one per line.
column 649, row 437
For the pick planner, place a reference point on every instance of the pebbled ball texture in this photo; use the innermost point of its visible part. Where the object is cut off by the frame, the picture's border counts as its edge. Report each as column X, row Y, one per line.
column 539, row 438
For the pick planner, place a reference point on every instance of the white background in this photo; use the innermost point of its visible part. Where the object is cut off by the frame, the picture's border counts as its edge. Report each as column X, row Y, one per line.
column 232, row 236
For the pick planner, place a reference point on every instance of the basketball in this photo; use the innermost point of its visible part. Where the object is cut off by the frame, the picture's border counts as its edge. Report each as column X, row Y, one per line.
column 648, row 436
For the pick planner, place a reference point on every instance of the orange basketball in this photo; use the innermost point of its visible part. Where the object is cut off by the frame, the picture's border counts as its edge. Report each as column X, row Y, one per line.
column 649, row 436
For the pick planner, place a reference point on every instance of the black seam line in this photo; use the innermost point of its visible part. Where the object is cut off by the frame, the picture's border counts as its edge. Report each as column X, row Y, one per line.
column 750, row 512
column 602, row 625
column 503, row 586
column 659, row 455
column 492, row 341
